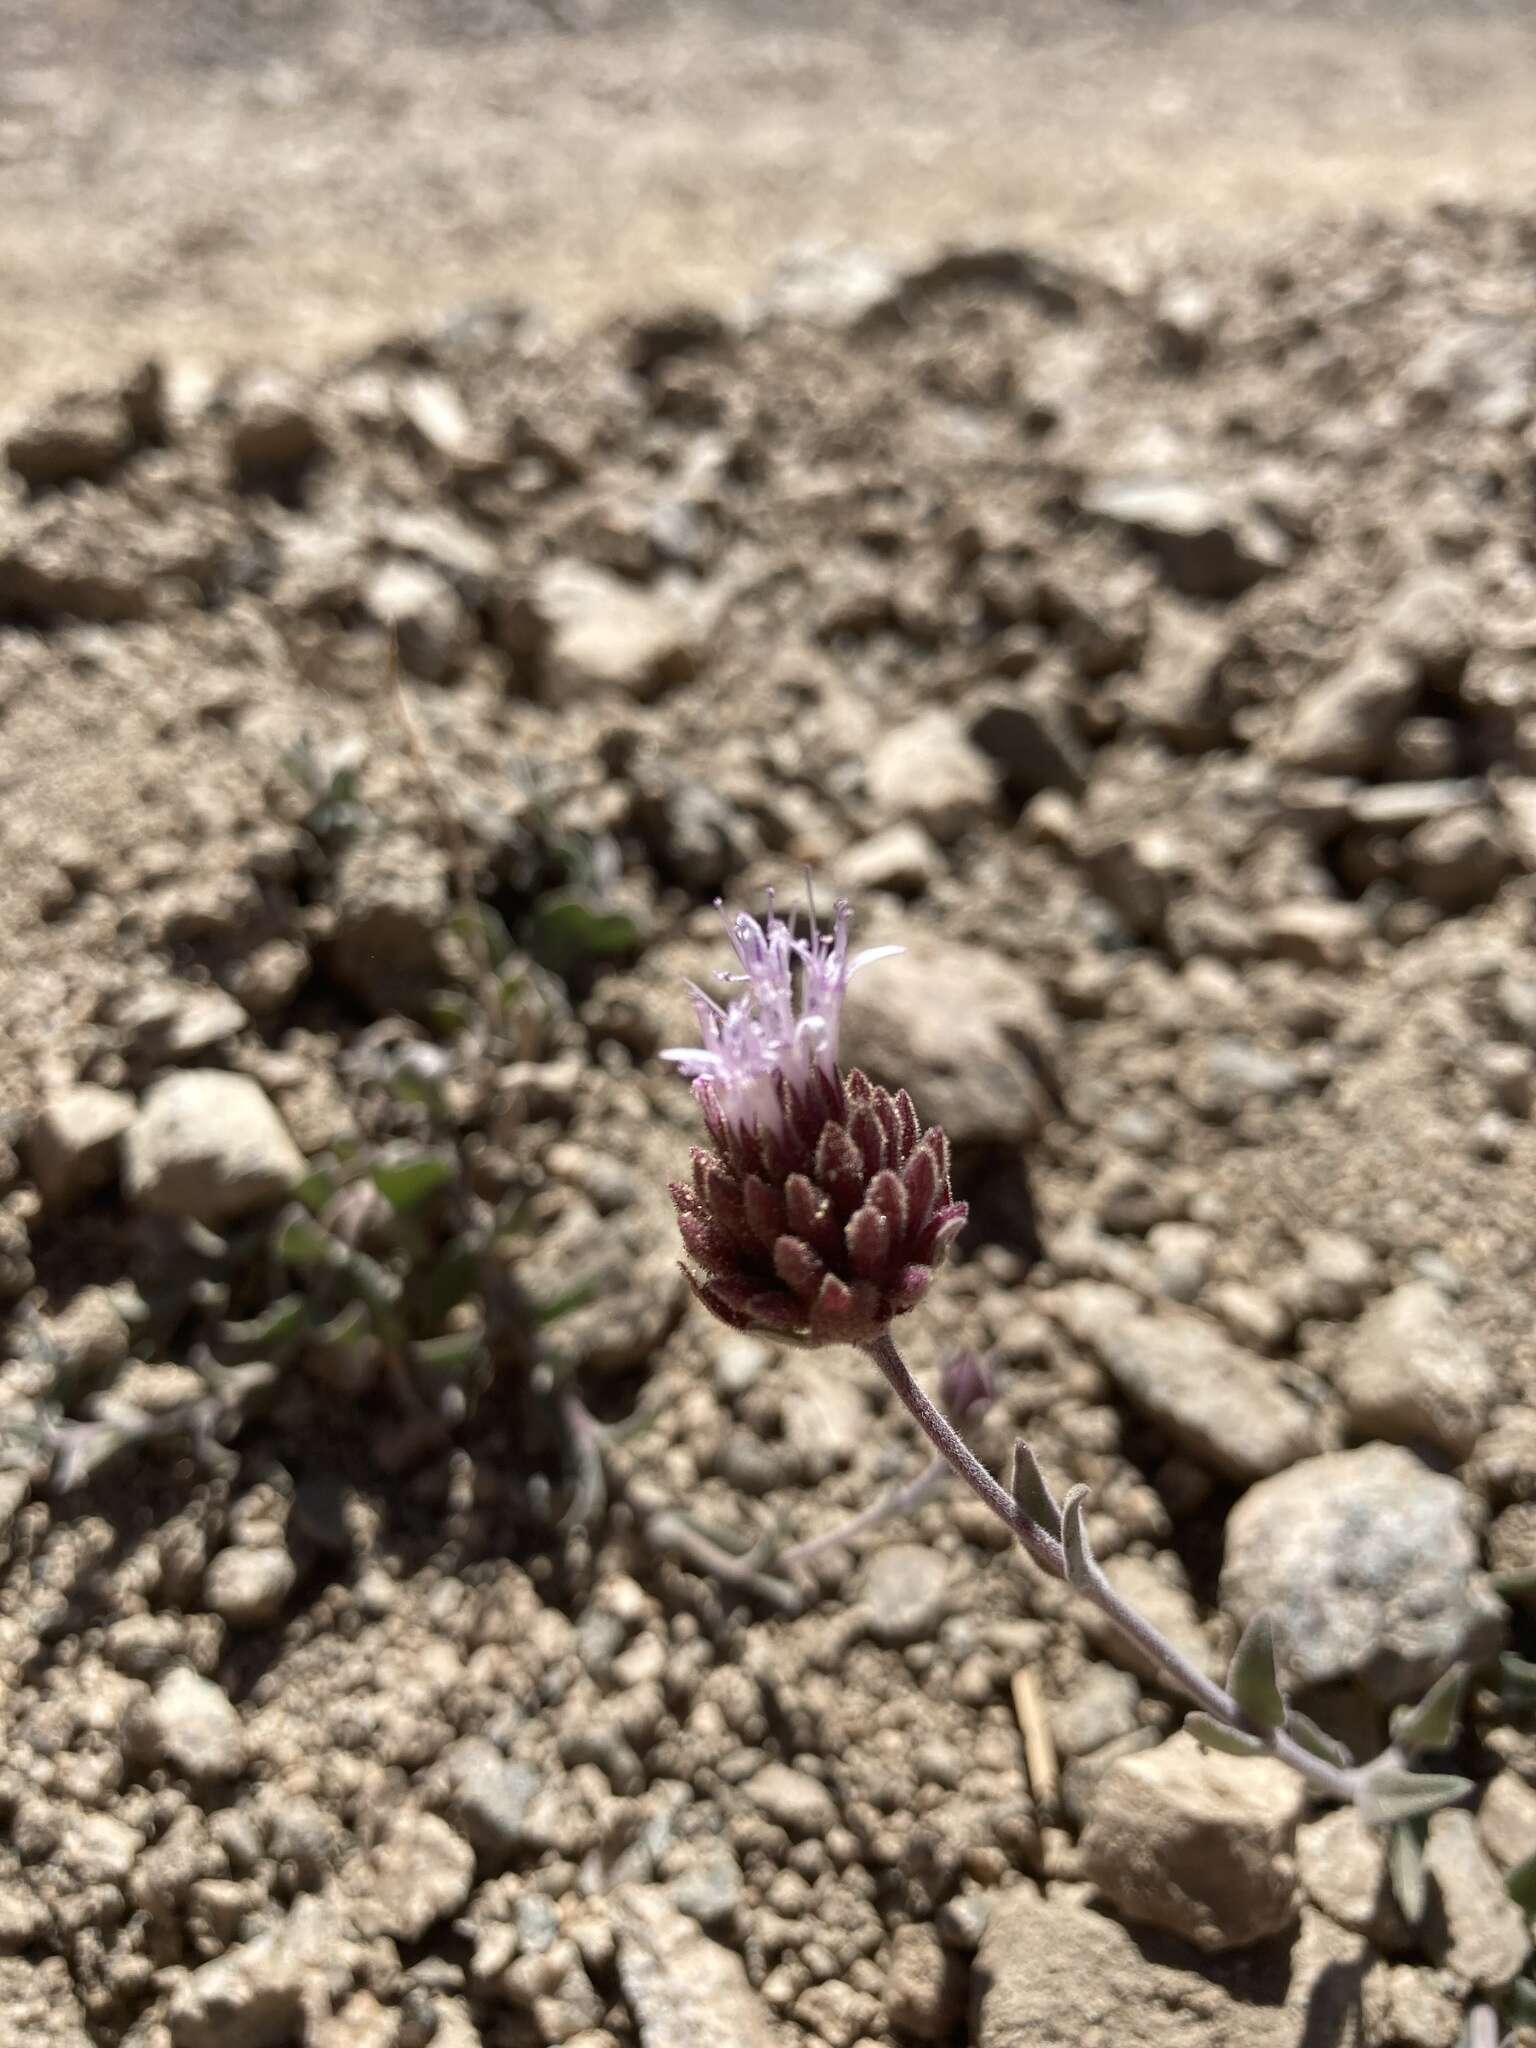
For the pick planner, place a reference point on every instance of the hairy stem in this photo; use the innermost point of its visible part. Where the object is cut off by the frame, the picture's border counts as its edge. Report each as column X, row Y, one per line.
column 1048, row 1554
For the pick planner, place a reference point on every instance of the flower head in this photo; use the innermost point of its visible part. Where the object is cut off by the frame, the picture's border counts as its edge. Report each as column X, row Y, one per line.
column 822, row 1207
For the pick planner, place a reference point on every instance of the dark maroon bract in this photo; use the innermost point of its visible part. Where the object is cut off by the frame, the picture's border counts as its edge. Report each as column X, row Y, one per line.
column 821, row 1208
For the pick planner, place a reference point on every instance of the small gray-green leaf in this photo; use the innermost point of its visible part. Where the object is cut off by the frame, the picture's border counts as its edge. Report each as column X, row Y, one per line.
column 1391, row 1795
column 451, row 1354
column 1252, row 1681
column 411, row 1180
column 279, row 1323
column 299, row 1241
column 1074, row 1537
column 1405, row 1867
column 1315, row 1742
column 1521, row 1885
column 1436, row 1721
column 1031, row 1495
column 1520, row 2002
column 1213, row 1734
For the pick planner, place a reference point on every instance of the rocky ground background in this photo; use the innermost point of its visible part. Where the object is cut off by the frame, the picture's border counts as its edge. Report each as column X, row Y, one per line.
column 1145, row 636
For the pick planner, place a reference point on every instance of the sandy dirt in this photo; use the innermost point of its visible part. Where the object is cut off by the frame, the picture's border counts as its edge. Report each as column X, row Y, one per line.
column 286, row 181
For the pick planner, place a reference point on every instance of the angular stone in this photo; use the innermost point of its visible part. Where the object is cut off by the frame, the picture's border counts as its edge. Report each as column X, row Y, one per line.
column 902, row 858
column 1051, row 1974
column 1506, row 1820
column 904, row 1589
column 248, row 1587
column 1317, row 933
column 1208, row 545
column 605, row 633
column 1344, row 724
column 1342, row 1865
column 393, row 911
column 969, row 1033
column 1412, row 1373
column 925, row 1985
column 1366, row 1563
column 420, row 1873
column 431, row 623
column 208, row 1146
column 1225, row 1407
column 1198, row 1843
column 491, row 1796
column 72, row 1149
column 798, row 1803
column 929, row 773
column 77, row 440
column 1027, row 729
column 682, row 1988
column 188, row 1726
column 254, row 1995
column 1472, row 1926
column 273, row 432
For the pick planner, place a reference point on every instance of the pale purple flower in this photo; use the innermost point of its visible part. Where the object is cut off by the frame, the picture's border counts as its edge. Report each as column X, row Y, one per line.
column 783, row 1029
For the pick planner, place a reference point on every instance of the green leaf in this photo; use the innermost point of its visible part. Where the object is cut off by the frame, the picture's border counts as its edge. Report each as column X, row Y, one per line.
column 318, row 1186
column 1213, row 1734
column 483, row 930
column 567, row 930
column 1435, row 1722
column 1315, row 1742
column 1521, row 1885
column 410, row 1180
column 450, row 1010
column 1252, row 1680
column 1520, row 2002
column 1517, row 1683
column 1388, row 1795
column 454, row 1353
column 299, row 1241
column 565, row 1303
column 278, row 1324
column 454, row 1278
column 1031, row 1495
column 1405, row 1868
column 1074, row 1537
column 348, row 1326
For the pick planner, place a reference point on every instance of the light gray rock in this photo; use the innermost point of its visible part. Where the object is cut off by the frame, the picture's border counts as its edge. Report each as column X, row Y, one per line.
column 925, row 1985
column 1473, row 1926
column 390, row 895
column 1342, row 1865
column 1412, row 1373
column 1317, row 932
column 1344, row 724
column 608, row 634
column 1506, row 1820
column 72, row 1150
column 798, row 1803
column 901, row 858
column 1157, row 1589
column 208, row 1146
column 682, row 1988
column 254, row 1996
column 188, row 1725
column 1366, row 1562
column 1225, row 1407
column 905, row 1593
column 970, row 1034
column 928, row 773
column 248, row 1587
column 1197, row 1843
column 421, row 1872
column 1209, row 545
column 491, row 1796
column 1051, row 1974
column 431, row 623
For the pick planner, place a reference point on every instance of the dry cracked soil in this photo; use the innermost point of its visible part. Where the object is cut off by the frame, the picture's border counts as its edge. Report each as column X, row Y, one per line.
column 446, row 543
